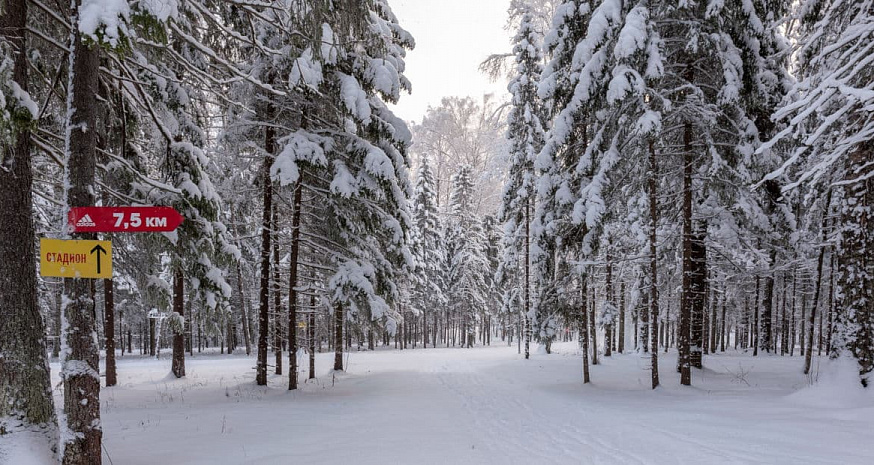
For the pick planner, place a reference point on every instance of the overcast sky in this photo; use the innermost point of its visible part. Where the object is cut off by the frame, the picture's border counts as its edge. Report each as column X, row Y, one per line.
column 452, row 38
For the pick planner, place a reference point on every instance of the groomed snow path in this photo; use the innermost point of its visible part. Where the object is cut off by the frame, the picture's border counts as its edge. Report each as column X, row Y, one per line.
column 479, row 406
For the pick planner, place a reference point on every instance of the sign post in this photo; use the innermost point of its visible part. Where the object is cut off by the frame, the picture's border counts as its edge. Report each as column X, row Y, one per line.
column 93, row 259
column 123, row 219
column 75, row 259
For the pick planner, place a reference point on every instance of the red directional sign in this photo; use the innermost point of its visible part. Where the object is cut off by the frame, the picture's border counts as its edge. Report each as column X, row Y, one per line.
column 123, row 219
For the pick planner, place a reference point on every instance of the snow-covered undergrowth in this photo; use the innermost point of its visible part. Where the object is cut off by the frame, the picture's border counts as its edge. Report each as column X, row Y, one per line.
column 483, row 405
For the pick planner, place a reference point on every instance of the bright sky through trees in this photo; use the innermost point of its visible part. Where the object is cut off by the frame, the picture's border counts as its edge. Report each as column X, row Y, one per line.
column 452, row 38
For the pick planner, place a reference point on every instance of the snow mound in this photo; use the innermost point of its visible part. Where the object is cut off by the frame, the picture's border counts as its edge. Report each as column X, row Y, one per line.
column 24, row 447
column 837, row 386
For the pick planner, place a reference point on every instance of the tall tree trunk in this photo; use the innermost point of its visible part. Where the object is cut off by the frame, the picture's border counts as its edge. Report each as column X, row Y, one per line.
column 179, row 333
column 109, row 332
column 713, row 330
column 80, row 365
column 818, row 286
column 153, row 336
column 653, row 264
column 292, row 290
column 608, row 298
column 527, row 279
column 621, row 333
column 794, row 330
column 584, row 327
column 244, row 309
column 277, row 297
column 766, row 335
column 756, row 321
column 684, row 361
column 593, row 330
column 854, row 318
column 831, row 304
column 266, row 234
column 699, row 297
column 25, row 387
column 723, row 333
column 311, row 331
column 338, row 337
column 644, row 313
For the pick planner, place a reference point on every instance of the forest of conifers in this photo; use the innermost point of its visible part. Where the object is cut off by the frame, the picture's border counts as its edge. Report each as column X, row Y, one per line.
column 664, row 175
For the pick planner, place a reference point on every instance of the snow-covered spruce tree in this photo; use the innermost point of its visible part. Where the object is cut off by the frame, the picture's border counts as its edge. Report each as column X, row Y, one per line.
column 494, row 253
column 717, row 59
column 430, row 248
column 554, row 229
column 466, row 263
column 828, row 116
column 525, row 134
column 201, row 247
column 582, row 146
column 354, row 149
column 26, row 405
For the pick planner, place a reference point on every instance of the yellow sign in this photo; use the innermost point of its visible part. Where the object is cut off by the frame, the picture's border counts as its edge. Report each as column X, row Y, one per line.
column 301, row 325
column 75, row 259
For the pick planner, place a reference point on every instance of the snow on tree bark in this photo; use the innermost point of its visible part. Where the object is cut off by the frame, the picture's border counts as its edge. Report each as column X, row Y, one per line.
column 81, row 440
column 292, row 288
column 266, row 235
column 178, row 326
column 25, row 391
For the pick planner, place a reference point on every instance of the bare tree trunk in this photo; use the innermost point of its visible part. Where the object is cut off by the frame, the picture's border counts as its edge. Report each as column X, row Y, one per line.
column 831, row 302
column 527, row 279
column 338, row 337
column 25, row 387
column 794, row 324
column 756, row 322
column 714, row 321
column 80, row 365
column 653, row 264
column 699, row 297
column 818, row 286
column 311, row 330
column 854, row 323
column 621, row 333
column 723, row 333
column 593, row 330
column 244, row 308
column 584, row 328
column 277, row 297
column 767, row 333
column 292, row 291
column 266, row 233
column 684, row 361
column 153, row 337
column 179, row 333
column 608, row 326
column 109, row 332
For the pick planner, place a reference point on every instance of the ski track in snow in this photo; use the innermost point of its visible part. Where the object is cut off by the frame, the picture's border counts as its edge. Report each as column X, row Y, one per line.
column 481, row 405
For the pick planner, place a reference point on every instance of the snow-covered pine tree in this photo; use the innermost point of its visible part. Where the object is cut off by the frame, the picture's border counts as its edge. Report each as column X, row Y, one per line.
column 827, row 115
column 525, row 134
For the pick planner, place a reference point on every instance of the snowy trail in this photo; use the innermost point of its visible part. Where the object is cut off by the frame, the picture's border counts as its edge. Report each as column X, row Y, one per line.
column 483, row 405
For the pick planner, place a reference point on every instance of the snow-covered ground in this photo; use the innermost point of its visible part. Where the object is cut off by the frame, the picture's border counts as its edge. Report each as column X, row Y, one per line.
column 483, row 405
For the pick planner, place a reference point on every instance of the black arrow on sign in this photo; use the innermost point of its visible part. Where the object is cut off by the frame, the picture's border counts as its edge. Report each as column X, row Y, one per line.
column 97, row 248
